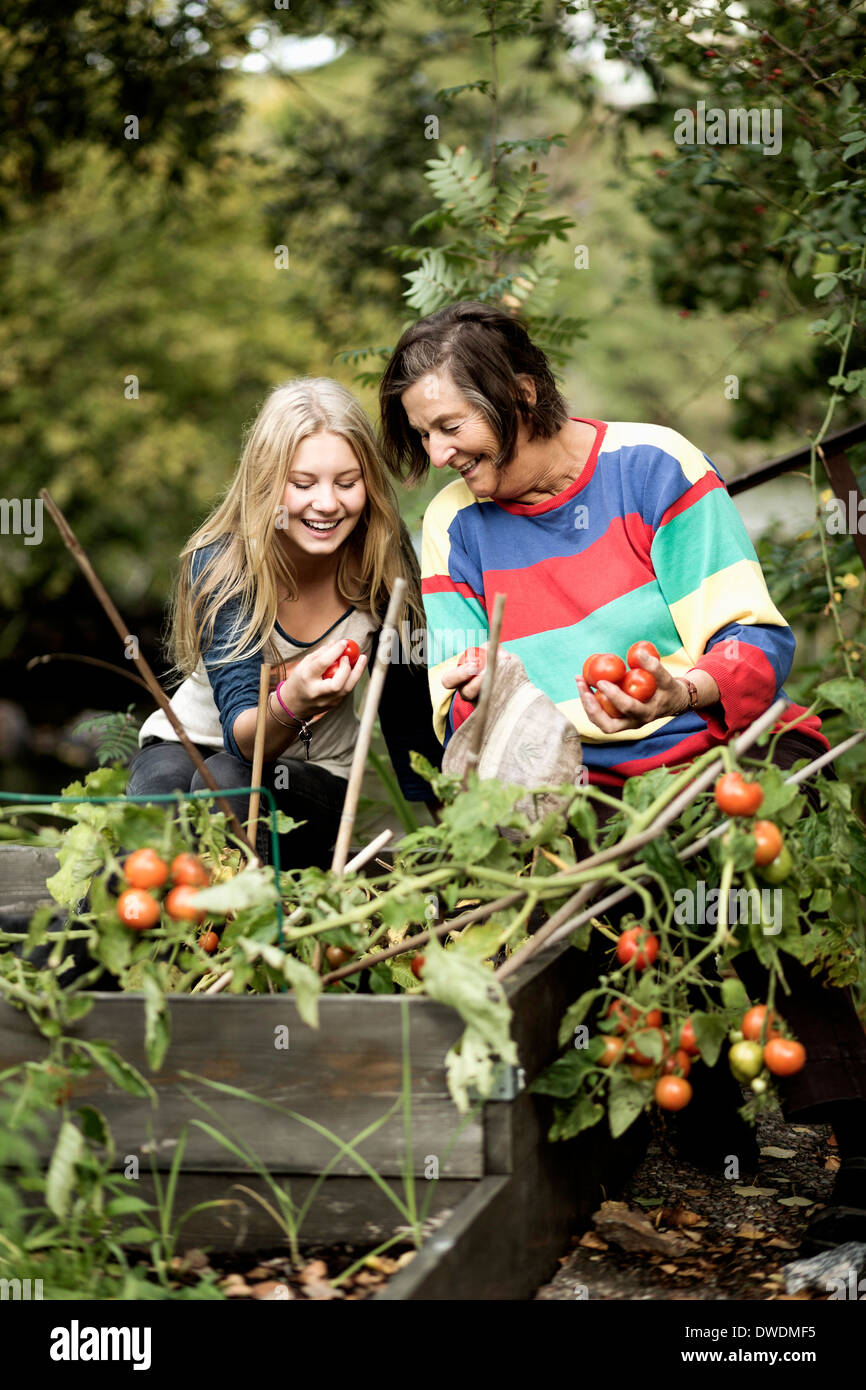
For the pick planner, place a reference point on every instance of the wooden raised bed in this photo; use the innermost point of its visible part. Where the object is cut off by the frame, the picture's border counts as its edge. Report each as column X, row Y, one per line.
column 506, row 1198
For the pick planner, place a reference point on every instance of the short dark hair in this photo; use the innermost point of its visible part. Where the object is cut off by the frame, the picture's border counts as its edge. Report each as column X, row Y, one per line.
column 485, row 350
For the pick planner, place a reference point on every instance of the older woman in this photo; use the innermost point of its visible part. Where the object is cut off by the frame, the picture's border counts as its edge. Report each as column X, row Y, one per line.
column 602, row 535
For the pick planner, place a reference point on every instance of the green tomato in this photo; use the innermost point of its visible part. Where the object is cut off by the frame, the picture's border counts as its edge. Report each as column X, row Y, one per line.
column 735, row 1035
column 759, row 1085
column 746, row 1059
column 779, row 869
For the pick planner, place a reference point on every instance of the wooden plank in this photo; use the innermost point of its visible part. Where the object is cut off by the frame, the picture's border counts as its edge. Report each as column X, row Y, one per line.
column 23, row 871
column 344, row 1075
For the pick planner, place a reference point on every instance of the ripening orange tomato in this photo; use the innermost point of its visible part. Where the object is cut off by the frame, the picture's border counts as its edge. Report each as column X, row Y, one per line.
column 145, row 869
column 672, row 1092
column 180, row 903
column 188, row 869
column 137, row 909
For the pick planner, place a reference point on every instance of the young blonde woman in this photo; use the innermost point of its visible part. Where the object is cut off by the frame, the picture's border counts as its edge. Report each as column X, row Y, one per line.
column 294, row 565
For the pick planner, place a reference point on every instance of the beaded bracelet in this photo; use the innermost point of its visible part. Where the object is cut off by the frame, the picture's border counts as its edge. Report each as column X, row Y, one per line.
column 304, row 732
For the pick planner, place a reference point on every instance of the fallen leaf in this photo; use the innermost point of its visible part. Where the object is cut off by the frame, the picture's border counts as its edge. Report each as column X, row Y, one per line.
column 669, row 1269
column 756, row 1191
column 695, row 1191
column 781, row 1244
column 796, row 1201
column 794, row 1297
column 833, row 1164
column 833, row 1141
column 749, row 1232
column 406, row 1258
column 314, row 1272
column 260, row 1272
column 381, row 1263
column 272, row 1291
column 235, row 1286
column 619, row 1225
column 314, row 1289
column 679, row 1216
column 693, row 1235
column 770, row 1151
column 591, row 1241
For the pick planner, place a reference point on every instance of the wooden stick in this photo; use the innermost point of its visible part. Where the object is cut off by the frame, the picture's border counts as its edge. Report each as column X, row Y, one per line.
column 258, row 751
column 365, row 733
column 72, row 544
column 478, row 722
column 368, row 852
column 88, row 660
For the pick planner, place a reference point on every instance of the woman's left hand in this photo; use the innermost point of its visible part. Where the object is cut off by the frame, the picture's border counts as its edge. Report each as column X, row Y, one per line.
column 671, row 697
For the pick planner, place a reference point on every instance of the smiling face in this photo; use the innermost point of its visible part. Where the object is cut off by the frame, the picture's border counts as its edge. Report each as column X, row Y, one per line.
column 324, row 498
column 454, row 433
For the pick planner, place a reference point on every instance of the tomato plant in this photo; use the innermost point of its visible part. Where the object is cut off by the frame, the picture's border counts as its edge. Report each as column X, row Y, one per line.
column 639, row 684
column 145, row 869
column 638, row 650
column 737, row 797
column 137, row 909
column 637, row 947
column 604, row 666
column 784, row 1056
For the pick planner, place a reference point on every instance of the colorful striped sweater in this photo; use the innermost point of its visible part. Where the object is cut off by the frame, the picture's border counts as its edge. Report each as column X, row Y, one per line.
column 646, row 543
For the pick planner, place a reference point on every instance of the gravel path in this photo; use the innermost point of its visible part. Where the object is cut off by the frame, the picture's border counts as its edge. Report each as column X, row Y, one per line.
column 736, row 1236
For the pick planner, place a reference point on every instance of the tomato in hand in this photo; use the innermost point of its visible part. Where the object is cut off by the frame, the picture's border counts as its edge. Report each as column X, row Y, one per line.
column 209, row 942
column 351, row 651
column 784, row 1056
column 688, row 1041
column 180, row 903
column 640, row 685
column 637, row 947
column 417, row 966
column 603, row 667
column 607, row 705
column 188, row 869
column 768, row 840
column 145, row 869
column 477, row 655
column 637, row 650
column 753, row 1022
column 737, row 797
column 137, row 909
column 672, row 1092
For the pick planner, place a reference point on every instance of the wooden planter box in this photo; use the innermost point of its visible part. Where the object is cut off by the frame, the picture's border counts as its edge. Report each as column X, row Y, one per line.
column 506, row 1199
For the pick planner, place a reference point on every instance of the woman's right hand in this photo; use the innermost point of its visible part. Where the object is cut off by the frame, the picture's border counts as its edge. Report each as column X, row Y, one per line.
column 303, row 687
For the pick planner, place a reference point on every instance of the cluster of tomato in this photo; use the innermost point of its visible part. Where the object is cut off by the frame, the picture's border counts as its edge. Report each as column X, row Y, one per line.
column 629, row 675
column 735, row 796
column 146, row 873
column 759, row 1047
column 672, row 1091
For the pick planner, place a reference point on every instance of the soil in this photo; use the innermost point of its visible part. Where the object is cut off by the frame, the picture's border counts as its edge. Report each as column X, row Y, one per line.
column 739, row 1235
column 270, row 1275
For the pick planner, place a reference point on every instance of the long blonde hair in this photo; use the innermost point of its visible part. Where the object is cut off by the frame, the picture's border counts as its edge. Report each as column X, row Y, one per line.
column 249, row 564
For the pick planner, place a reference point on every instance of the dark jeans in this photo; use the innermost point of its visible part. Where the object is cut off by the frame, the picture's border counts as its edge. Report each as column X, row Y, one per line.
column 313, row 795
column 822, row 1016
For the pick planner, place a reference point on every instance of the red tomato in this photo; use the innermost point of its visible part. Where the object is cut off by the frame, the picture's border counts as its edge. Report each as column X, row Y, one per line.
column 607, row 705
column 417, row 966
column 640, row 685
column 783, row 1056
column 351, row 651
column 186, row 868
column 638, row 650
column 753, row 1022
column 137, row 909
column 475, row 654
column 603, row 667
column 336, row 956
column 180, row 904
column 769, row 842
column 209, row 942
column 737, row 797
column 672, row 1092
column 688, row 1042
column 677, row 1062
column 612, row 1048
column 625, row 1015
column 145, row 869
column 637, row 947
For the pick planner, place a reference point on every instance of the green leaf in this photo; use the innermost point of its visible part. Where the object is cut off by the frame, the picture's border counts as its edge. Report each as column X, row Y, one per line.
column 710, row 1034
column 734, row 996
column 564, row 1077
column 380, row 979
column 157, row 1020
column 627, row 1100
column 481, row 1002
column 570, row 1121
column 81, row 854
column 247, row 889
column 849, row 693
column 126, row 1203
column 117, row 1070
column 94, row 1127
column 62, row 1179
column 306, row 985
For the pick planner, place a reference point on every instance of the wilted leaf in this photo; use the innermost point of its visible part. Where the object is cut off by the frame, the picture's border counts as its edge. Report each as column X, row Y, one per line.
column 770, row 1151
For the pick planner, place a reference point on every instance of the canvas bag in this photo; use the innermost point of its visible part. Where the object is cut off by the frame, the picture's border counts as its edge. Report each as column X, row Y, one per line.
column 527, row 741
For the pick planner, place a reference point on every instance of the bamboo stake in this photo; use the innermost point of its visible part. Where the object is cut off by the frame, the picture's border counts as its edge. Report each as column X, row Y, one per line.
column 478, row 723
column 72, row 544
column 258, row 751
column 365, row 733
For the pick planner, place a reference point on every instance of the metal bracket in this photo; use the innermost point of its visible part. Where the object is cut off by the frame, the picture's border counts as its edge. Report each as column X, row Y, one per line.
column 508, row 1082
